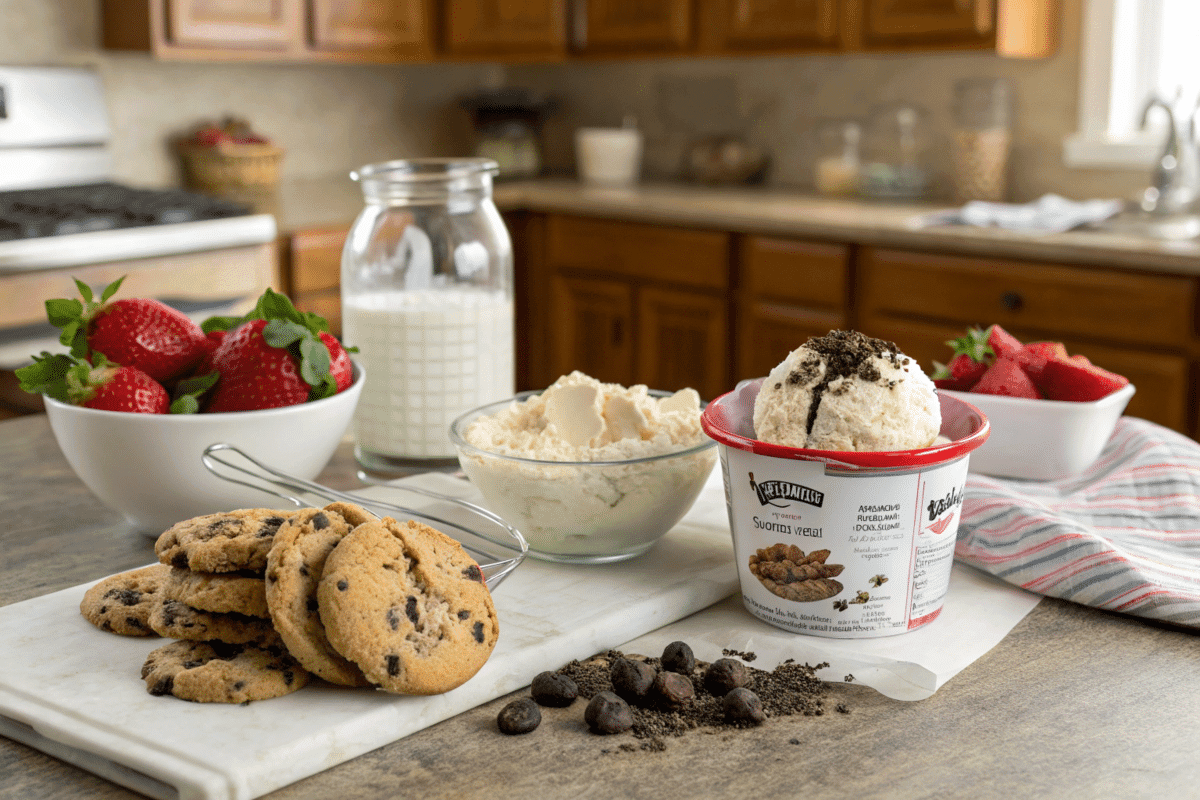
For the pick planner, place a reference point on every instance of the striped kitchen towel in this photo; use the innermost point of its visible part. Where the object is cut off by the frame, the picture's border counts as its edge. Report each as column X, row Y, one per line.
column 1123, row 536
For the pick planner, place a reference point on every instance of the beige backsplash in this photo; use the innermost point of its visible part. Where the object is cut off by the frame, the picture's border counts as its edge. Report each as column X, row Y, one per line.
column 331, row 118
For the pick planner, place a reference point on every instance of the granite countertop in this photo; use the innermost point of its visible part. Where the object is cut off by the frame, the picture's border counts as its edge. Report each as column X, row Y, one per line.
column 780, row 212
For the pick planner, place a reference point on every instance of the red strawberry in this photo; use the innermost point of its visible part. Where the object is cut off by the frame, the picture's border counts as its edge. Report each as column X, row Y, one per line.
column 255, row 374
column 972, row 355
column 340, row 367
column 1033, row 357
column 135, row 332
column 1070, row 379
column 105, row 386
column 1007, row 378
column 1002, row 342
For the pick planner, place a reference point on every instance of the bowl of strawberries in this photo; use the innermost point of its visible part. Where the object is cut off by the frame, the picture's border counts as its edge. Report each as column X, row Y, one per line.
column 1051, row 412
column 144, row 390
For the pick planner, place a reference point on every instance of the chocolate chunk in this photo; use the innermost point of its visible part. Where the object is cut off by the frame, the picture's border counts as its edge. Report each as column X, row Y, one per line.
column 319, row 521
column 304, row 570
column 519, row 716
column 411, row 611
column 312, row 605
column 180, row 560
column 724, row 675
column 678, row 657
column 673, row 690
column 632, row 680
column 393, row 618
column 553, row 689
column 464, row 614
column 343, row 585
column 477, row 631
column 164, row 686
column 743, row 706
column 239, row 685
column 608, row 714
column 393, row 665
column 473, row 573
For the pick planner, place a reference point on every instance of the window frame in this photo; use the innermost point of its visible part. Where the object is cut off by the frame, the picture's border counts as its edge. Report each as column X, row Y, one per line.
column 1105, row 61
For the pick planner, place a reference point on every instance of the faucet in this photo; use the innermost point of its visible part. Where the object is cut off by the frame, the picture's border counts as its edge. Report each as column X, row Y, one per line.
column 1175, row 183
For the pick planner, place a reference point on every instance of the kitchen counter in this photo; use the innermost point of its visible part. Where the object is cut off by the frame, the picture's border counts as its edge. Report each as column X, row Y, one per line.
column 781, row 212
column 1074, row 702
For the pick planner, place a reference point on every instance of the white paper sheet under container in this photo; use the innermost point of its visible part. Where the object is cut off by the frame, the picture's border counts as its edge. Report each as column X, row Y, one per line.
column 74, row 692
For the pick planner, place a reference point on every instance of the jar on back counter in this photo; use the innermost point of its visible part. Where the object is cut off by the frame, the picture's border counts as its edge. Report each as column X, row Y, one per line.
column 427, row 298
column 837, row 166
column 982, row 139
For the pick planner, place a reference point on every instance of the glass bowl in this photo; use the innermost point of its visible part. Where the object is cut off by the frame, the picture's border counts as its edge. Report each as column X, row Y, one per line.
column 585, row 512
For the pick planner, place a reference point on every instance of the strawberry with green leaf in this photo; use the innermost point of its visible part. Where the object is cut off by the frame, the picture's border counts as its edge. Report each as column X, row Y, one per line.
column 103, row 385
column 136, row 332
column 278, row 356
column 972, row 356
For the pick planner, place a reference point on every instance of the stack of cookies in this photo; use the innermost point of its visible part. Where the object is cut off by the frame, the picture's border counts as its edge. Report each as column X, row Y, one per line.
column 260, row 601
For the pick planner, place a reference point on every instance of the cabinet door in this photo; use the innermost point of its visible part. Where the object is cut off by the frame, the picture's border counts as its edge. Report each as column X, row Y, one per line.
column 255, row 24
column 312, row 272
column 631, row 25
column 683, row 341
column 764, row 25
column 393, row 27
column 767, row 332
column 506, row 27
column 922, row 22
column 592, row 329
column 1161, row 378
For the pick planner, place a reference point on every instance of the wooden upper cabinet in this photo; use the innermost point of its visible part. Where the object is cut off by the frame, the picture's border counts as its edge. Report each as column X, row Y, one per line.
column 928, row 23
column 255, row 24
column 393, row 27
column 505, row 28
column 631, row 25
column 768, row 25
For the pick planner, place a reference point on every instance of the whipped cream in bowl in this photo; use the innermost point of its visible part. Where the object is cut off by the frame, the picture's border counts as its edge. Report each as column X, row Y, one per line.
column 589, row 472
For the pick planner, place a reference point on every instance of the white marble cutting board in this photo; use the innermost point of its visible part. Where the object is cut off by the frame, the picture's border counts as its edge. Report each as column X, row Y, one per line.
column 74, row 692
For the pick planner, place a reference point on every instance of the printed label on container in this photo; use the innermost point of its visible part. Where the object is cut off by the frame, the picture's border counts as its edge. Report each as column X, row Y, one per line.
column 844, row 554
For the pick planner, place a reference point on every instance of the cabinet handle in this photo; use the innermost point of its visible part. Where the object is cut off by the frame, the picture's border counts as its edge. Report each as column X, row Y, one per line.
column 618, row 331
column 1012, row 301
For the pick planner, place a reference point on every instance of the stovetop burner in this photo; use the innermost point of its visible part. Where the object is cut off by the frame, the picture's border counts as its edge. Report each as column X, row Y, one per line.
column 33, row 213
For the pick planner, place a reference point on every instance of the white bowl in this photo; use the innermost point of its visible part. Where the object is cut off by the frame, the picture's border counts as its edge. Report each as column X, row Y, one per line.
column 1043, row 439
column 148, row 467
column 585, row 512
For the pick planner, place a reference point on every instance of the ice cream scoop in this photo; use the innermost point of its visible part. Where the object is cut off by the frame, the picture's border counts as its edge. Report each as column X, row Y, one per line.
column 847, row 391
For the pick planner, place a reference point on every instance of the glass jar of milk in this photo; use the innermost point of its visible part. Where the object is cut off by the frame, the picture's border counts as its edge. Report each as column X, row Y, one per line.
column 427, row 298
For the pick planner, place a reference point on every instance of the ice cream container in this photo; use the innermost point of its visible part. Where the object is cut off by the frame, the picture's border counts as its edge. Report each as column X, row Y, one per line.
column 843, row 544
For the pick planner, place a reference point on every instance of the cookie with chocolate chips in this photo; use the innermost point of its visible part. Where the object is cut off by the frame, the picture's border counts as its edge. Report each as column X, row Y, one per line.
column 122, row 603
column 177, row 620
column 409, row 606
column 220, row 592
column 216, row 672
column 294, row 568
column 226, row 542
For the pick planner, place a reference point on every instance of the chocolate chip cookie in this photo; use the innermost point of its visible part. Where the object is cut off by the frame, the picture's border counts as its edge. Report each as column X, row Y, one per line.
column 215, row 672
column 220, row 592
column 122, row 603
column 227, row 542
column 407, row 605
column 177, row 620
column 294, row 568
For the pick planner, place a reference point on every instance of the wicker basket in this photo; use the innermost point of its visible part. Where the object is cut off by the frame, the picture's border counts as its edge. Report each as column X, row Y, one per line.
column 230, row 166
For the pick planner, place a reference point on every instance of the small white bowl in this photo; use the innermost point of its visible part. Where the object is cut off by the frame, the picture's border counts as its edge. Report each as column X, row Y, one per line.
column 609, row 156
column 1043, row 439
column 148, row 466
column 585, row 512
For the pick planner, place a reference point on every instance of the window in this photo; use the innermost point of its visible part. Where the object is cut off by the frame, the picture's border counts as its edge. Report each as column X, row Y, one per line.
column 1133, row 50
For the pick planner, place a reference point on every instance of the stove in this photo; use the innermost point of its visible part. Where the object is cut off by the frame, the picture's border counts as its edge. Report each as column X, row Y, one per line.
column 62, row 216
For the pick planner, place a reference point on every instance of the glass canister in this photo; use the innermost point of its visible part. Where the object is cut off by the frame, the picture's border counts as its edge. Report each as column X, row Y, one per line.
column 837, row 165
column 427, row 298
column 896, row 154
column 982, row 139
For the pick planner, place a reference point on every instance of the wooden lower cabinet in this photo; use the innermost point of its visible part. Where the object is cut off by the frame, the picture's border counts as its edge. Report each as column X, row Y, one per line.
column 683, row 341
column 767, row 332
column 592, row 324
